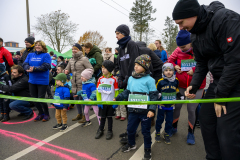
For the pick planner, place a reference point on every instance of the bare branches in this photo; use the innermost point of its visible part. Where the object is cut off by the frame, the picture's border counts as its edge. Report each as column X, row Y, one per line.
column 56, row 29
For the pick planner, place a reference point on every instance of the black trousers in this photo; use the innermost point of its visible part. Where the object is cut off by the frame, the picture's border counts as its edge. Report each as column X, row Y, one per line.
column 103, row 121
column 39, row 91
column 221, row 135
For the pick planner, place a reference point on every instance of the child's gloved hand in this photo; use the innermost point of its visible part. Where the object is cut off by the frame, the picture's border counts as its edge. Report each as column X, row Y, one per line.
column 114, row 106
column 182, row 97
column 100, row 106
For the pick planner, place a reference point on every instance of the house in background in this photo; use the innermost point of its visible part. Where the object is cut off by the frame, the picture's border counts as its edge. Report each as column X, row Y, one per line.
column 12, row 46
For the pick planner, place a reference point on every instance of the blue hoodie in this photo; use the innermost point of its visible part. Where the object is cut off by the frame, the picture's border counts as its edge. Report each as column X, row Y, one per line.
column 62, row 92
column 41, row 63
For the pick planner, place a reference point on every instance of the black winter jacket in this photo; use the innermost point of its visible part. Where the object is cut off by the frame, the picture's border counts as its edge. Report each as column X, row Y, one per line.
column 156, row 62
column 126, row 59
column 20, row 87
column 24, row 55
column 216, row 45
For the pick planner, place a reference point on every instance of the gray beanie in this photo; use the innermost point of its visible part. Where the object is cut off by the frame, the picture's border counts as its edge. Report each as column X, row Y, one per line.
column 167, row 66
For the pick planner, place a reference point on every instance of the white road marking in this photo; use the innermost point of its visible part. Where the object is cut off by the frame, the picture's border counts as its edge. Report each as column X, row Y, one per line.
column 49, row 139
column 139, row 154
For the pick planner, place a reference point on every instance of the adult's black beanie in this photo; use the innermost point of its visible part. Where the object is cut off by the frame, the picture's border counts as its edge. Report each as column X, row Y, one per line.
column 185, row 9
column 30, row 39
column 123, row 29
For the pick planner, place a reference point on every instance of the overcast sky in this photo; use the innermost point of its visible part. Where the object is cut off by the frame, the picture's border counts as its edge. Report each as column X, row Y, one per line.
column 89, row 14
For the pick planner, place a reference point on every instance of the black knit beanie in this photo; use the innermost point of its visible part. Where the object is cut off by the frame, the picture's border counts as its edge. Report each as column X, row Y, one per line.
column 78, row 46
column 30, row 39
column 123, row 29
column 109, row 65
column 61, row 57
column 185, row 9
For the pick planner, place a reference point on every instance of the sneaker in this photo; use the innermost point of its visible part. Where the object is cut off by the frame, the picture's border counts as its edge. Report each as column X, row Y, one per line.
column 123, row 135
column 173, row 131
column 123, row 119
column 64, row 127
column 117, row 117
column 99, row 134
column 109, row 135
column 190, row 139
column 28, row 116
column 128, row 148
column 78, row 117
column 38, row 118
column 57, row 126
column 147, row 154
column 124, row 140
column 46, row 118
column 167, row 139
column 87, row 123
column 157, row 137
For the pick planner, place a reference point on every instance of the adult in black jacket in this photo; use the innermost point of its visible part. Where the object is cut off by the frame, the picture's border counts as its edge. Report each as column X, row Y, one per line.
column 20, row 87
column 156, row 62
column 215, row 39
column 29, row 42
column 128, row 52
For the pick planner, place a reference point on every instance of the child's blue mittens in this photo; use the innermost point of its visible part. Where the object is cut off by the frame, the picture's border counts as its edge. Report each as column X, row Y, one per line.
column 114, row 106
column 100, row 106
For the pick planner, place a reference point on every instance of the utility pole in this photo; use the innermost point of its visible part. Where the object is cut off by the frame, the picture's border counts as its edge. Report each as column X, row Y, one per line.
column 28, row 20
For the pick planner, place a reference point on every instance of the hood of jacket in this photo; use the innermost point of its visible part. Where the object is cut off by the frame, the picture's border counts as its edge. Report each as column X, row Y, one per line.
column 107, row 55
column 92, row 80
column 93, row 51
column 141, row 44
column 77, row 55
column 205, row 15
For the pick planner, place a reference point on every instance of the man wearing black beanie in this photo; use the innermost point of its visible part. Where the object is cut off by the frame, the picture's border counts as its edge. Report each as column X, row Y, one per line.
column 215, row 39
column 127, row 53
column 29, row 42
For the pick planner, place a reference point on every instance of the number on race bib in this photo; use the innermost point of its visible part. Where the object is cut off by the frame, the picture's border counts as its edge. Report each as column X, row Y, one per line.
column 138, row 98
column 187, row 65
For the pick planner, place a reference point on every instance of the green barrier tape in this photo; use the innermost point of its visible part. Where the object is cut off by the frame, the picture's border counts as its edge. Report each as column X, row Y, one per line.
column 237, row 99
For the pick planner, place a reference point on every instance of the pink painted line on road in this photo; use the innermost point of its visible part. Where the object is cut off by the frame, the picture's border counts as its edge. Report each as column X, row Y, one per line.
column 15, row 135
column 40, row 147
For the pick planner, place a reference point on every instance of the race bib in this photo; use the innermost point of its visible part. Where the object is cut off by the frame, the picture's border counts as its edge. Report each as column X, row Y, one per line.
column 56, row 97
column 138, row 98
column 168, row 96
column 84, row 96
column 188, row 64
column 105, row 88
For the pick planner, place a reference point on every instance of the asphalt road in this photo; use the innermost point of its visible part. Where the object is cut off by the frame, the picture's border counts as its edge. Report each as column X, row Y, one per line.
column 20, row 140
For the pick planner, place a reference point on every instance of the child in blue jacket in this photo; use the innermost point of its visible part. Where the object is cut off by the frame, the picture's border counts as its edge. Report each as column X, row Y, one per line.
column 62, row 92
column 88, row 93
column 168, row 90
column 140, row 87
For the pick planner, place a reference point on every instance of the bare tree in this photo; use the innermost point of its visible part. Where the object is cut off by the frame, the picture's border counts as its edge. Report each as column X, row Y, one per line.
column 93, row 37
column 56, row 29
